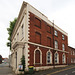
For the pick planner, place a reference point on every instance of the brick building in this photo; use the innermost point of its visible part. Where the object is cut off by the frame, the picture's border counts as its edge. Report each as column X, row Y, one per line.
column 71, row 55
column 33, row 36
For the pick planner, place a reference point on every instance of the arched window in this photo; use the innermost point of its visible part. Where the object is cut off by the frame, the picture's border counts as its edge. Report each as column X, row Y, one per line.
column 49, row 57
column 56, row 58
column 63, row 58
column 37, row 56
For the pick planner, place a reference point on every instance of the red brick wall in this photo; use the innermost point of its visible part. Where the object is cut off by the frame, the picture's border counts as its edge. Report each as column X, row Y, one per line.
column 71, row 56
column 42, row 29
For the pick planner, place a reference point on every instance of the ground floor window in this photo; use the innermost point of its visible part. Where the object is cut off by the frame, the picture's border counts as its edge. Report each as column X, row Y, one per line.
column 37, row 56
column 63, row 58
column 56, row 56
column 49, row 57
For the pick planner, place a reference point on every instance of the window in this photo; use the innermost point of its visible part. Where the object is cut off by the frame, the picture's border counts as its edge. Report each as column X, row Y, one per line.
column 37, row 56
column 49, row 57
column 38, row 38
column 63, row 58
column 48, row 29
column 63, row 47
column 48, row 41
column 56, row 44
column 22, row 28
column 55, row 33
column 37, row 22
column 71, row 60
column 74, row 60
column 71, row 52
column 56, row 58
column 63, row 37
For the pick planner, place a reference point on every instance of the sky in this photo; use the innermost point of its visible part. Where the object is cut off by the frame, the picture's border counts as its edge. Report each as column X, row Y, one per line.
column 61, row 11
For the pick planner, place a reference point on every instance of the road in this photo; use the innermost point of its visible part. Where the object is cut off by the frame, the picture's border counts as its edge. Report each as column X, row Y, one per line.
column 66, row 71
column 5, row 70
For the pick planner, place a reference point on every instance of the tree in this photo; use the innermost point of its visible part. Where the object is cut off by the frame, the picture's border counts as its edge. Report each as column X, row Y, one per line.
column 23, row 62
column 0, row 59
column 10, row 31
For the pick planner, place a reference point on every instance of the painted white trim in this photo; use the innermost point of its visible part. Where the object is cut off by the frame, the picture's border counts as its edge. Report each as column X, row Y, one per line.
column 57, row 57
column 50, row 57
column 46, row 47
column 40, row 55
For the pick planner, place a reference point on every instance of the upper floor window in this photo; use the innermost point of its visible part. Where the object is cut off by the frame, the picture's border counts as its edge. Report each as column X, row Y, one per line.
column 49, row 57
column 56, row 44
column 38, row 38
column 55, row 33
column 37, row 22
column 48, row 41
column 48, row 29
column 63, row 37
column 63, row 47
column 22, row 30
column 71, row 52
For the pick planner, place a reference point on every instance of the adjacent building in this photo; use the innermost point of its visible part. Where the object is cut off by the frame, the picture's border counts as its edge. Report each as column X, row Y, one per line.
column 71, row 55
column 42, row 42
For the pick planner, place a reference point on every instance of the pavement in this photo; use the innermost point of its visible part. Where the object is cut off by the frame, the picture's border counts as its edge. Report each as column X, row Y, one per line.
column 68, row 70
column 5, row 69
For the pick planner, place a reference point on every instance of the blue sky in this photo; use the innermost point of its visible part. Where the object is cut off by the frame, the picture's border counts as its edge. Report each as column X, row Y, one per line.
column 61, row 11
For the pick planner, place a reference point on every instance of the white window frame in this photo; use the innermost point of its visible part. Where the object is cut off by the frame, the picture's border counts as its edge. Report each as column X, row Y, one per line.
column 56, row 44
column 63, row 47
column 63, row 37
column 55, row 32
column 40, row 55
column 64, row 59
column 50, row 57
column 57, row 58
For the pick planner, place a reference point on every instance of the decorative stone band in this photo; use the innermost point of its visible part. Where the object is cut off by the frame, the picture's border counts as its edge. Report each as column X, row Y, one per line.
column 46, row 47
column 22, row 44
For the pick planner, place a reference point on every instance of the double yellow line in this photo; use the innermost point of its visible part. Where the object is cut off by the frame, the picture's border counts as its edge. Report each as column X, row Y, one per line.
column 61, row 70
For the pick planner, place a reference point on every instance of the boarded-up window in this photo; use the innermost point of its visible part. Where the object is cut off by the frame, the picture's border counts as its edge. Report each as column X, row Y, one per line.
column 48, row 41
column 48, row 29
column 37, row 22
column 37, row 56
column 38, row 38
